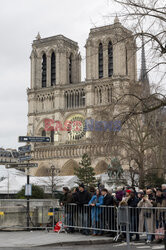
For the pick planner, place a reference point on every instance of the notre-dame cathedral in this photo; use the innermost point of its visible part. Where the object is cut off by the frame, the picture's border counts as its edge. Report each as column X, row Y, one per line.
column 57, row 94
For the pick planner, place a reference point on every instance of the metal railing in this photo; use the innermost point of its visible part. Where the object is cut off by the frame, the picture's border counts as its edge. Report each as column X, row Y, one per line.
column 124, row 221
column 114, row 219
column 121, row 221
column 95, row 218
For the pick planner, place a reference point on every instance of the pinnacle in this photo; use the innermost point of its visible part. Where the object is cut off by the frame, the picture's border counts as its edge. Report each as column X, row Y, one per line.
column 116, row 20
column 38, row 37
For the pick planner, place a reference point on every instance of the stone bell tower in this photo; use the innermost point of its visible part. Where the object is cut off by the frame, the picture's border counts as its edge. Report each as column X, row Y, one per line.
column 110, row 51
column 54, row 61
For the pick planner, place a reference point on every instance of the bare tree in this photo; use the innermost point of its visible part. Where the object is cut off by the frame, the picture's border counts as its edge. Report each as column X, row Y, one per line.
column 147, row 20
column 52, row 179
column 140, row 143
column 142, row 140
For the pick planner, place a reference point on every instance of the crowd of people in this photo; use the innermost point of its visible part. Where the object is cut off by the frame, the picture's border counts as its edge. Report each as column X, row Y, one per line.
column 97, row 209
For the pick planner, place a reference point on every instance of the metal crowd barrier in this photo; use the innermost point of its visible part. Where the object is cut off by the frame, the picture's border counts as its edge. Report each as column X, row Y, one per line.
column 143, row 220
column 121, row 220
column 86, row 217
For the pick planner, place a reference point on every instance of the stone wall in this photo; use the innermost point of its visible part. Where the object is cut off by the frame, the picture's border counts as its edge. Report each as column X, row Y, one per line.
column 13, row 214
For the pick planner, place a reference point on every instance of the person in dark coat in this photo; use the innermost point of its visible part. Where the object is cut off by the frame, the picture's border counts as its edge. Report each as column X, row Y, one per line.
column 108, row 213
column 75, row 194
column 83, row 198
column 159, row 213
column 120, row 194
column 65, row 201
column 67, row 196
column 133, row 213
column 74, row 211
column 140, row 194
column 108, row 199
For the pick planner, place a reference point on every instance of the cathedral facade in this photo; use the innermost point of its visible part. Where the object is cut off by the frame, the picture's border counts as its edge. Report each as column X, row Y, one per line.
column 60, row 105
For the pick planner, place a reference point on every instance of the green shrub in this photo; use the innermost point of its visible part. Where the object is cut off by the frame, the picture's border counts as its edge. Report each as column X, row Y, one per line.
column 37, row 193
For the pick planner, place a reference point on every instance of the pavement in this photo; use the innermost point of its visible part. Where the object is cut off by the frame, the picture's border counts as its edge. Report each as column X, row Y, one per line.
column 30, row 239
column 50, row 240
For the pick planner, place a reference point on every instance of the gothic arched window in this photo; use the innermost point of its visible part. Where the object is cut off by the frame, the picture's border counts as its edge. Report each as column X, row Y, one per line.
column 110, row 59
column 53, row 69
column 52, row 135
column 100, row 60
column 70, row 68
column 100, row 96
column 83, row 98
column 44, row 70
column 72, row 99
column 109, row 94
column 43, row 133
column 77, row 99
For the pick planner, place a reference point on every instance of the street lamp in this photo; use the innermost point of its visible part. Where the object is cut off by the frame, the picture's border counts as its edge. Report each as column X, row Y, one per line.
column 54, row 172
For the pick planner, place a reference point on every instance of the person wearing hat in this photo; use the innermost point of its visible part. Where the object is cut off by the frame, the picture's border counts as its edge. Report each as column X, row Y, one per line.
column 128, row 191
column 124, row 200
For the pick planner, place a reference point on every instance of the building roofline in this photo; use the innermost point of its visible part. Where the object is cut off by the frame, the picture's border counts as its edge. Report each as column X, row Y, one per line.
column 109, row 26
column 54, row 38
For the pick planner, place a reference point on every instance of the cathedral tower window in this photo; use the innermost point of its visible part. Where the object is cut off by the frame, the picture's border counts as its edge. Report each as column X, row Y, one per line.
column 100, row 60
column 110, row 59
column 77, row 99
column 109, row 94
column 52, row 135
column 44, row 70
column 72, row 99
column 83, row 98
column 43, row 133
column 42, row 102
column 53, row 69
column 100, row 96
column 70, row 68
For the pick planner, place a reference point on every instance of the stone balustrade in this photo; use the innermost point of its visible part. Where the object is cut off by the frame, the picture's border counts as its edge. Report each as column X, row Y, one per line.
column 68, row 151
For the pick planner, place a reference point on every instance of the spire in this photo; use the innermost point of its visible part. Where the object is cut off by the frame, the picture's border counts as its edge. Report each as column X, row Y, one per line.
column 116, row 20
column 143, row 73
column 38, row 37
